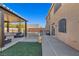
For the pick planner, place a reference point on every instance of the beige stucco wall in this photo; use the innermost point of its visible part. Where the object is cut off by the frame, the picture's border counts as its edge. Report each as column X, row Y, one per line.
column 47, row 23
column 71, row 13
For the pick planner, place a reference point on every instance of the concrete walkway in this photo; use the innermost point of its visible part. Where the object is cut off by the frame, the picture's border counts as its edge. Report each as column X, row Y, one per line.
column 54, row 47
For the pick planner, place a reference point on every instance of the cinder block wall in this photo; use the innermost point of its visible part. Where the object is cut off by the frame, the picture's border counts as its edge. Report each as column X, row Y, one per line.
column 35, row 30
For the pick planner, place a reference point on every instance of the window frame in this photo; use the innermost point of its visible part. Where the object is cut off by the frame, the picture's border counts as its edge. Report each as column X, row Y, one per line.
column 62, row 27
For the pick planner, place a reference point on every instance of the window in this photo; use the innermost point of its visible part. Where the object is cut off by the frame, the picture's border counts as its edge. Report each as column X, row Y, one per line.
column 62, row 25
column 56, row 7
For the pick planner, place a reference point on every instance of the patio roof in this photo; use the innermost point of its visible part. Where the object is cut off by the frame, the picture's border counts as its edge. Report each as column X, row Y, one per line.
column 13, row 16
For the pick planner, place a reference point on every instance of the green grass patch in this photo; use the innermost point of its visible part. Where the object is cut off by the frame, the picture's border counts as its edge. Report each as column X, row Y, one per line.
column 23, row 49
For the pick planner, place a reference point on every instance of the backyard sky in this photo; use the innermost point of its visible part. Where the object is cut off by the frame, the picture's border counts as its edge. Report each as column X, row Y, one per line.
column 35, row 13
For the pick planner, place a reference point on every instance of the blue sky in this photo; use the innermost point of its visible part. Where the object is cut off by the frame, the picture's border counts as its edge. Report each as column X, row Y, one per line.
column 35, row 13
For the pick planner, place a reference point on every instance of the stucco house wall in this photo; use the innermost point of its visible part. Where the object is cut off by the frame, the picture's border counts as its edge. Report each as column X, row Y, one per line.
column 69, row 11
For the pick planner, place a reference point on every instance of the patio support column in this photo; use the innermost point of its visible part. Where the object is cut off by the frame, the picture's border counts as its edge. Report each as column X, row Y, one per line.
column 1, row 29
column 19, row 27
column 8, row 26
column 25, row 29
column 7, row 23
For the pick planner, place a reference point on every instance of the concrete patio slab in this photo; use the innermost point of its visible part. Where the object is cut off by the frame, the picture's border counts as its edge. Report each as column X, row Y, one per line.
column 52, row 47
column 31, row 38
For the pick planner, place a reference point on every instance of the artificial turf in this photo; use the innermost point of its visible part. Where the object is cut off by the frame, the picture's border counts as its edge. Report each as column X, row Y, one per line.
column 23, row 49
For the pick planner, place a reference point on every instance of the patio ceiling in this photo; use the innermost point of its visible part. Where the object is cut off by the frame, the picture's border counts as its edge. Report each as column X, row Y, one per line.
column 10, row 15
column 12, row 18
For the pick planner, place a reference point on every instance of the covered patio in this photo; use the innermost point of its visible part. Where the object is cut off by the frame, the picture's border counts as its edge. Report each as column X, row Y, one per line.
column 11, row 26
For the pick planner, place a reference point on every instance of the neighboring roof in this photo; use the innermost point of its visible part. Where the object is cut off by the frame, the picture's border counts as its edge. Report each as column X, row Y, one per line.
column 9, row 10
